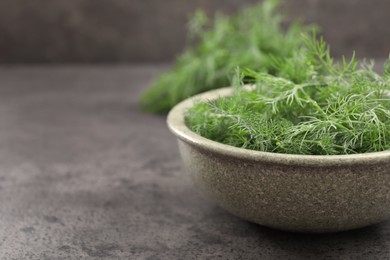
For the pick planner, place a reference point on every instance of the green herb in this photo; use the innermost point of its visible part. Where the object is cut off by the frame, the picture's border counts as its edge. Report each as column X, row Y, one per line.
column 253, row 38
column 311, row 106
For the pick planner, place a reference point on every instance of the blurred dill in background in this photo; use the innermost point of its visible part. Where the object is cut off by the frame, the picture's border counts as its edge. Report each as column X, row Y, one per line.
column 252, row 38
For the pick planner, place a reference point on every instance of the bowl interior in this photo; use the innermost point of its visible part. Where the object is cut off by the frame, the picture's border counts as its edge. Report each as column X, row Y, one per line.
column 176, row 124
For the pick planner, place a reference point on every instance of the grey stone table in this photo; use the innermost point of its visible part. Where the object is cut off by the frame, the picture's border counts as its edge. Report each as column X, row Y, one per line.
column 85, row 175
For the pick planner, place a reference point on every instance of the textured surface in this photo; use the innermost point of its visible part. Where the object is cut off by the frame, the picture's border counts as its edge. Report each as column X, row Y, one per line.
column 154, row 30
column 295, row 198
column 85, row 175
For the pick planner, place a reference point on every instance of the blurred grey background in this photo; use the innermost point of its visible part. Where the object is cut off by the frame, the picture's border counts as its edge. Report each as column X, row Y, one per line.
column 87, row 31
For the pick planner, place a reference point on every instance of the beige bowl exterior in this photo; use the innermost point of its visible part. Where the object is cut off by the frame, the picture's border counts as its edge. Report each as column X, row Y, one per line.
column 301, row 193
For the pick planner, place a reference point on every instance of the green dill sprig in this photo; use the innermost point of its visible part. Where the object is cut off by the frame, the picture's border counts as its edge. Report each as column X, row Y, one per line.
column 253, row 38
column 316, row 107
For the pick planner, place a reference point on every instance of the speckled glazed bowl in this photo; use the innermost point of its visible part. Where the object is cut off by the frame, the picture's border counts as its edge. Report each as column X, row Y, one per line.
column 301, row 193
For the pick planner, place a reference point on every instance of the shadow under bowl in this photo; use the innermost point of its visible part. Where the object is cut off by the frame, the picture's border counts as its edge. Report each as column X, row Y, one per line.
column 300, row 193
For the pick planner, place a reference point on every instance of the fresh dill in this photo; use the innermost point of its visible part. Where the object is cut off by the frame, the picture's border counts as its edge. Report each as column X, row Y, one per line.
column 252, row 38
column 312, row 105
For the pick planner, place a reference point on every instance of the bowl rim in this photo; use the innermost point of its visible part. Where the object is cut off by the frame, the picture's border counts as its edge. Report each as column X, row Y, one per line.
column 177, row 126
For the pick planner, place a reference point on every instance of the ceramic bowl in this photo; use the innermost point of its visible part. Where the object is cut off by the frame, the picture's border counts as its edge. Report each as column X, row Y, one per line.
column 301, row 193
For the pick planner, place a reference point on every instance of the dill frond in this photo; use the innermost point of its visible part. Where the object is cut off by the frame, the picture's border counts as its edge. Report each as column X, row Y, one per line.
column 311, row 105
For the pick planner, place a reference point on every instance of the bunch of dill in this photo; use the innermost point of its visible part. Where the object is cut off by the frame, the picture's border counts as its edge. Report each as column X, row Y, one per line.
column 252, row 38
column 312, row 105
